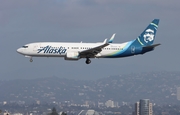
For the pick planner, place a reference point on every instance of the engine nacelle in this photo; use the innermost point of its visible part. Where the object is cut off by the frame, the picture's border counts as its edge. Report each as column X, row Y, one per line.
column 72, row 56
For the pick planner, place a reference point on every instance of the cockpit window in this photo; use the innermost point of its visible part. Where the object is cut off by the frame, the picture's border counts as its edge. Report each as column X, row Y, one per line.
column 25, row 46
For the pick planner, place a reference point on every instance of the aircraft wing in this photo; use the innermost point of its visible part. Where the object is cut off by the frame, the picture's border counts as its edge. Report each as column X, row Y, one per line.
column 93, row 51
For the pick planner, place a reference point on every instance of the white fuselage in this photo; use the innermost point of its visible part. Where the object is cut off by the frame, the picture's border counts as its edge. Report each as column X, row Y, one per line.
column 60, row 49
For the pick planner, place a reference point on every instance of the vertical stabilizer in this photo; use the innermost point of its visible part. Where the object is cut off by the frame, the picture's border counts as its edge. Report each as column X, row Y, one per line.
column 147, row 37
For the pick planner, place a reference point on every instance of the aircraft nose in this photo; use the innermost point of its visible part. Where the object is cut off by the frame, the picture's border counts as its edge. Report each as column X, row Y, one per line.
column 19, row 50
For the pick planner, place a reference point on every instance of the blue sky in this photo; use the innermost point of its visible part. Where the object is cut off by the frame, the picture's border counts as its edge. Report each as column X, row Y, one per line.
column 26, row 21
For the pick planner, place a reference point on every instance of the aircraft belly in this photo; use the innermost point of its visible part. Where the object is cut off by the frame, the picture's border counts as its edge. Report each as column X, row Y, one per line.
column 46, row 55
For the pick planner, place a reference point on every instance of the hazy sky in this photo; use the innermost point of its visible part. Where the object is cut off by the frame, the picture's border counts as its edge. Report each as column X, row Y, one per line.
column 26, row 21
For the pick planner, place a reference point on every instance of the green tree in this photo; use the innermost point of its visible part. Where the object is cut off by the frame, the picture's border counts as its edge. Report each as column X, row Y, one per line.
column 63, row 113
column 54, row 112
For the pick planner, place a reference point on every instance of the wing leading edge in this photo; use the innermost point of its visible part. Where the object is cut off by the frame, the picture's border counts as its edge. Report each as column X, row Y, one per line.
column 93, row 51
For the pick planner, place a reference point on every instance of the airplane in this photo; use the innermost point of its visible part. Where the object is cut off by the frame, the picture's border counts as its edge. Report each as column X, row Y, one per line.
column 106, row 49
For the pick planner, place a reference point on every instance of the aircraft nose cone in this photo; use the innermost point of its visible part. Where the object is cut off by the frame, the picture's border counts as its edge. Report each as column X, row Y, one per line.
column 19, row 50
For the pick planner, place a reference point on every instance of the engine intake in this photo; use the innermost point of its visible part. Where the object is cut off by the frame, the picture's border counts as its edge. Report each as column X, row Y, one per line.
column 72, row 56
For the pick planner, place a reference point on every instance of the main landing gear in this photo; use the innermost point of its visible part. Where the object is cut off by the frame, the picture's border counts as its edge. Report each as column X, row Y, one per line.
column 88, row 61
column 31, row 60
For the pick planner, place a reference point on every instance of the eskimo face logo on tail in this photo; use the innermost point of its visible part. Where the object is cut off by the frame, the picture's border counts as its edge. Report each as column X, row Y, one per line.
column 148, row 35
column 52, row 50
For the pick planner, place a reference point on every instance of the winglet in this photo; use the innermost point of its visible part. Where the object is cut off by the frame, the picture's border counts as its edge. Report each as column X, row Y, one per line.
column 112, row 38
column 105, row 41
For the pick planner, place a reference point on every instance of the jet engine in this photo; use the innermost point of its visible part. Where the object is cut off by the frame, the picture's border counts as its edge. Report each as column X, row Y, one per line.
column 72, row 56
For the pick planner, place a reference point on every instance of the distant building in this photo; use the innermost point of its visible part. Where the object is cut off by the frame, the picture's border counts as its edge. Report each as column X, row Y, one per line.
column 38, row 102
column 4, row 103
column 100, row 104
column 136, row 112
column 88, row 112
column 17, row 114
column 109, row 103
column 116, row 104
column 144, row 107
column 150, row 109
column 178, row 93
column 6, row 113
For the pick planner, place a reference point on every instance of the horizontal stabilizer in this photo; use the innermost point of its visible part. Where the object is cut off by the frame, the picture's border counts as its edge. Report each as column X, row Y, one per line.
column 149, row 48
column 152, row 46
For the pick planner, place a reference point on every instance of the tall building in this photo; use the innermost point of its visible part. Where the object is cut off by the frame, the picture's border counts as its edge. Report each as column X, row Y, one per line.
column 144, row 107
column 136, row 112
column 150, row 109
column 178, row 93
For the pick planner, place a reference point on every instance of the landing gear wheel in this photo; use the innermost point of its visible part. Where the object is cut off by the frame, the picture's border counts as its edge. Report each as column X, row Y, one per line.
column 31, row 60
column 88, row 61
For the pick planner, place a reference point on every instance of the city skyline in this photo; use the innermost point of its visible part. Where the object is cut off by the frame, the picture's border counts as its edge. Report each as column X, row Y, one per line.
column 119, row 90
column 110, row 95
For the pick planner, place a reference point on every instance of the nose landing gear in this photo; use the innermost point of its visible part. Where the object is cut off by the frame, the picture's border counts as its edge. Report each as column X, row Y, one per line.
column 31, row 60
column 88, row 61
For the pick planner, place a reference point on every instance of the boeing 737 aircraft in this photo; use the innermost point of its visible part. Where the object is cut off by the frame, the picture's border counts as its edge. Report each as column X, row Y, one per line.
column 75, row 51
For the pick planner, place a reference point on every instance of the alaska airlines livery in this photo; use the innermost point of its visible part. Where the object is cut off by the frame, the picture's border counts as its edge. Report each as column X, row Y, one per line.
column 106, row 49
